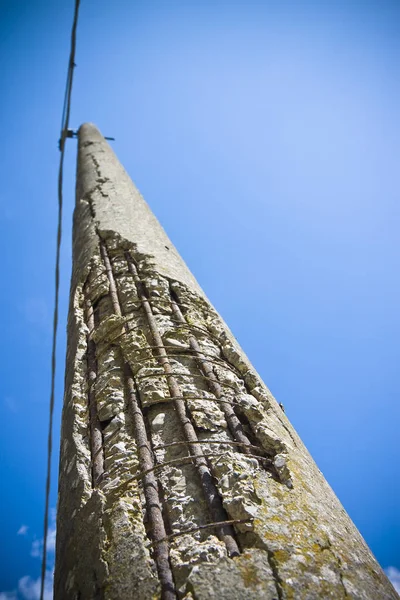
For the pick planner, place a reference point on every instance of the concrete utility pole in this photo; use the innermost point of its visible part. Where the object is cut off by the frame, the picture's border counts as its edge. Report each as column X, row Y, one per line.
column 180, row 475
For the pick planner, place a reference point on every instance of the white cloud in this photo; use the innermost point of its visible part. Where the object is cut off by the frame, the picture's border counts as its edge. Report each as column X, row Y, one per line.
column 36, row 550
column 8, row 596
column 37, row 545
column 394, row 576
column 29, row 588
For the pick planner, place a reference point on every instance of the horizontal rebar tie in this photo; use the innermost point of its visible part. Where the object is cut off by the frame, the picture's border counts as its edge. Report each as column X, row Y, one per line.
column 184, row 353
column 177, row 325
column 201, row 527
column 193, row 375
column 170, row 400
column 188, row 353
column 222, row 442
column 180, row 461
column 185, row 443
column 152, row 299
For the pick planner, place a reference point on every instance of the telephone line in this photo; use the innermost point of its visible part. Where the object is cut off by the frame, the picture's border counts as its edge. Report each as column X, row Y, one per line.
column 63, row 135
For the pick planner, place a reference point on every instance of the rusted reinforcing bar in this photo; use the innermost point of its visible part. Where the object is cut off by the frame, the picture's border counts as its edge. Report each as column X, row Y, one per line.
column 205, row 365
column 225, row 532
column 146, row 462
column 181, row 461
column 111, row 279
column 220, row 442
column 186, row 443
column 184, row 353
column 189, row 398
column 96, row 436
column 218, row 360
column 192, row 375
column 110, row 437
column 207, row 526
column 151, row 492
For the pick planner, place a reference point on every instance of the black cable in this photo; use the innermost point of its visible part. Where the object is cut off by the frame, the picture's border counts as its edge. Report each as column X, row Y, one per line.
column 64, row 128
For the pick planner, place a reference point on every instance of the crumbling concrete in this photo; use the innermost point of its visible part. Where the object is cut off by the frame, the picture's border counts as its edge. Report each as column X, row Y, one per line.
column 294, row 538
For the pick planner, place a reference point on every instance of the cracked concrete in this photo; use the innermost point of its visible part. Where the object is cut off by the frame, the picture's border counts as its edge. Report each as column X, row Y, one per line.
column 297, row 541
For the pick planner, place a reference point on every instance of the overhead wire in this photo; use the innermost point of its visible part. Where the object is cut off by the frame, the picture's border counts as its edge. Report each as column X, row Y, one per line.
column 63, row 135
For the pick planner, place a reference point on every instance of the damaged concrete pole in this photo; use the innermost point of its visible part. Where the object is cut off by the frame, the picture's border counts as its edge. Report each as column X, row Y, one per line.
column 180, row 475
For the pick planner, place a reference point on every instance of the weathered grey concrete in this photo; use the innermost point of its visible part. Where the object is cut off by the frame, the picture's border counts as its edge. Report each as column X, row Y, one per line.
column 297, row 543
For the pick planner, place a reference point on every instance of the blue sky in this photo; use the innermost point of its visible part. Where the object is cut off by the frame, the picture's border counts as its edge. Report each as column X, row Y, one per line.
column 265, row 136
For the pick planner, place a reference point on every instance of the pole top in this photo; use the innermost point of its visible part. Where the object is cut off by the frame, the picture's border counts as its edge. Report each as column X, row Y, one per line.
column 74, row 133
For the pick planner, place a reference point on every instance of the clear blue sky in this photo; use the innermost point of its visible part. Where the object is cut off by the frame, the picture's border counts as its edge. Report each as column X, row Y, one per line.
column 265, row 136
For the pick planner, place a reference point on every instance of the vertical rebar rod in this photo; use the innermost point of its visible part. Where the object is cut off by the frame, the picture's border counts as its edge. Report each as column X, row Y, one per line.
column 146, row 460
column 225, row 532
column 151, row 492
column 111, row 279
column 234, row 423
column 96, row 435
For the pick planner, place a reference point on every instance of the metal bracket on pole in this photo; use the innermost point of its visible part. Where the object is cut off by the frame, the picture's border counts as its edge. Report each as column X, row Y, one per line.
column 70, row 133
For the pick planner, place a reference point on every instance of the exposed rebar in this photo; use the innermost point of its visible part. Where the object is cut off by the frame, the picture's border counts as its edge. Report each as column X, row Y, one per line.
column 146, row 461
column 225, row 532
column 111, row 279
column 96, row 436
column 207, row 526
column 205, row 365
column 151, row 492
